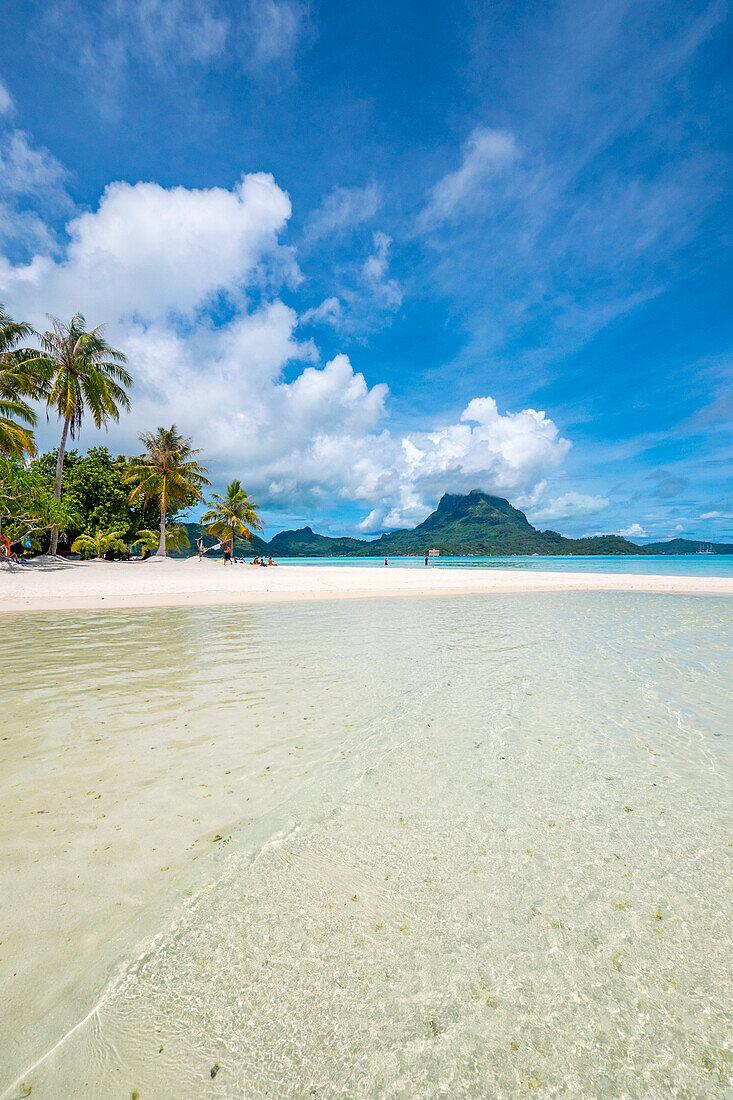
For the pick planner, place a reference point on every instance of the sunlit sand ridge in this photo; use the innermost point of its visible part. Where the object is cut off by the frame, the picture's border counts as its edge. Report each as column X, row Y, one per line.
column 45, row 585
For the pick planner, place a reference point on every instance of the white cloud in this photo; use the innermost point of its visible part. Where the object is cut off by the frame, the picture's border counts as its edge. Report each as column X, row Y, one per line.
column 147, row 251
column 487, row 154
column 507, row 454
column 717, row 515
column 343, row 208
column 570, row 504
column 6, row 101
column 151, row 261
column 633, row 531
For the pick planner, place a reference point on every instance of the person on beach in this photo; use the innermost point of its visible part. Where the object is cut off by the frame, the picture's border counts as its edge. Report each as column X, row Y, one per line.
column 386, row 562
column 257, row 560
column 271, row 562
column 227, row 552
column 426, row 559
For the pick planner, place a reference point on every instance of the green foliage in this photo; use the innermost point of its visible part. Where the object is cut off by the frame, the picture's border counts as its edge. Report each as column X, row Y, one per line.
column 18, row 383
column 94, row 489
column 95, row 492
column 232, row 515
column 176, row 539
column 27, row 504
column 167, row 473
column 99, row 543
column 82, row 372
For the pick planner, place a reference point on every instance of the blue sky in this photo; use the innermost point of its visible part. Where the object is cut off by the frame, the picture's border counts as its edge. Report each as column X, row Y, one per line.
column 368, row 253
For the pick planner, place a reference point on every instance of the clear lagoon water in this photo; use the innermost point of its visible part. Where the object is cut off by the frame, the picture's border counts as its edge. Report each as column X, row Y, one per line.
column 449, row 847
column 671, row 565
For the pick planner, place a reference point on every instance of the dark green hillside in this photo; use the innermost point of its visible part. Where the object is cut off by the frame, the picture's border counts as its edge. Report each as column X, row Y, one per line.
column 685, row 546
column 486, row 525
column 306, row 543
column 475, row 523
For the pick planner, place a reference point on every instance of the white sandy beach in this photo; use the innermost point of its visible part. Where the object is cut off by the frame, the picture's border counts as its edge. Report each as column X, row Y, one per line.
column 46, row 585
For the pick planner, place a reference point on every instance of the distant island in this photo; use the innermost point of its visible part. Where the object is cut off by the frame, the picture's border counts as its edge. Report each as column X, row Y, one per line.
column 475, row 523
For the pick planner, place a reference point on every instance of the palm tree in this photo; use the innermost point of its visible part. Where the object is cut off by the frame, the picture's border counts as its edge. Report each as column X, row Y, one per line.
column 17, row 383
column 234, row 514
column 176, row 538
column 83, row 374
column 99, row 543
column 168, row 473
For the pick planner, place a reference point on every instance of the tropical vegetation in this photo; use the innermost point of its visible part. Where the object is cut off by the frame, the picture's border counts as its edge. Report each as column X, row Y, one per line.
column 99, row 543
column 176, row 539
column 19, row 382
column 231, row 515
column 82, row 373
column 167, row 472
column 28, row 508
column 105, row 504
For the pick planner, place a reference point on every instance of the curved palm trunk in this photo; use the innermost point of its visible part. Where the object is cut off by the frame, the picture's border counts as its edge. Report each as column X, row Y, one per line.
column 57, row 484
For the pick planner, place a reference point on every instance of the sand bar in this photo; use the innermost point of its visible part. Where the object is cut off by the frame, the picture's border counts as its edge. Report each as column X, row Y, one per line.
column 46, row 585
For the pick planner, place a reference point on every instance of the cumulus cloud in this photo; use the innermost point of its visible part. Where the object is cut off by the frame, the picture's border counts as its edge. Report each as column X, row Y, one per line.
column 343, row 208
column 487, row 154
column 504, row 453
column 155, row 263
column 635, row 530
column 570, row 504
column 148, row 251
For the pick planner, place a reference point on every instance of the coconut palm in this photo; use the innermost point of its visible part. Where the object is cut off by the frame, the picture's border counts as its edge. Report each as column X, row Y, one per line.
column 83, row 374
column 168, row 473
column 233, row 514
column 176, row 538
column 18, row 383
column 99, row 543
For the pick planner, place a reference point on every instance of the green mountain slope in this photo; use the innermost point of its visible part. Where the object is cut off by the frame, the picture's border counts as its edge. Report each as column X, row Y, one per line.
column 474, row 523
column 685, row 546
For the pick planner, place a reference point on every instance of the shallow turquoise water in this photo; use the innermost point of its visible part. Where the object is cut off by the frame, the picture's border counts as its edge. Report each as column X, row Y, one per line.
column 495, row 859
column 672, row 565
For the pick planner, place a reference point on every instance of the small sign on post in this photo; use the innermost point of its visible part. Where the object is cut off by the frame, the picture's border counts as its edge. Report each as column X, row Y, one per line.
column 433, row 554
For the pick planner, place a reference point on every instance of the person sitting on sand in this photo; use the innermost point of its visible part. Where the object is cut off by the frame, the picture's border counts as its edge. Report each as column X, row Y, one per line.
column 256, row 560
column 271, row 562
